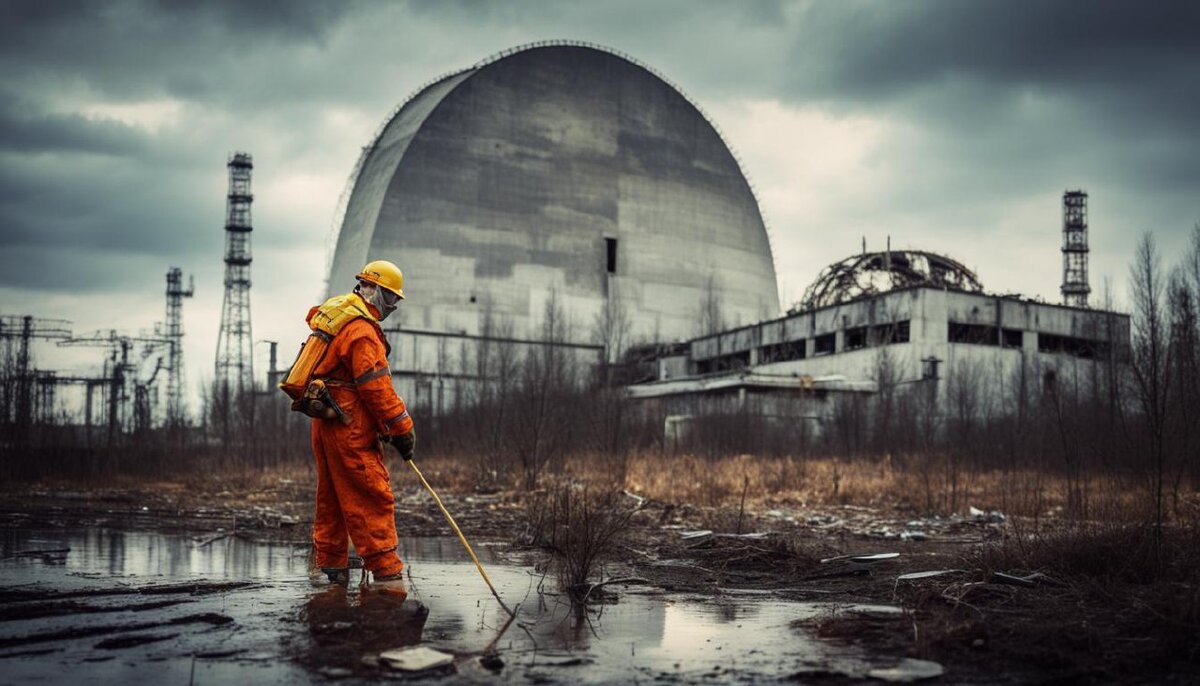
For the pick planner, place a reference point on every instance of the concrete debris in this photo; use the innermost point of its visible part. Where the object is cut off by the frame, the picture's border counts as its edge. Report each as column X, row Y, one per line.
column 823, row 520
column 1028, row 581
column 865, row 559
column 988, row 517
column 877, row 557
column 1011, row 580
column 416, row 659
column 907, row 671
column 917, row 576
column 757, row 536
column 871, row 611
column 871, row 523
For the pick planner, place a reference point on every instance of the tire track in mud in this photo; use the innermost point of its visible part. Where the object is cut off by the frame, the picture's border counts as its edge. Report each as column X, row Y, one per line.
column 210, row 618
column 21, row 605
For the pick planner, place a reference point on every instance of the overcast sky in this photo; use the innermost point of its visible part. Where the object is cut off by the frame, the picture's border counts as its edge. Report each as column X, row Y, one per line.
column 951, row 126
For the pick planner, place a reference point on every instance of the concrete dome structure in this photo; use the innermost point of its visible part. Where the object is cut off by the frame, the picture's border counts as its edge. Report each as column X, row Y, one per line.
column 557, row 168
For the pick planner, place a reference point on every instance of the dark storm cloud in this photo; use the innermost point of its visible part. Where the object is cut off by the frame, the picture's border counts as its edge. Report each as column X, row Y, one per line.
column 987, row 104
column 137, row 47
column 873, row 50
column 27, row 130
column 1119, row 70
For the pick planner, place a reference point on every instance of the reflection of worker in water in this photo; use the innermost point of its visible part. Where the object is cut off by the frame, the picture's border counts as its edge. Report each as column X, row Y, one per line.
column 354, row 495
column 342, row 631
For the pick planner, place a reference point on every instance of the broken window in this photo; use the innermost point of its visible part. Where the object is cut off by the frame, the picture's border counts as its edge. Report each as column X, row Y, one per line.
column 1079, row 347
column 824, row 345
column 1012, row 338
column 856, row 338
column 733, row 361
column 886, row 334
column 975, row 334
column 782, row 352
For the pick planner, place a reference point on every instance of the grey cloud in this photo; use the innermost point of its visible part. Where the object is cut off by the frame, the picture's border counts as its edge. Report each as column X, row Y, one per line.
column 881, row 49
column 22, row 130
column 993, row 102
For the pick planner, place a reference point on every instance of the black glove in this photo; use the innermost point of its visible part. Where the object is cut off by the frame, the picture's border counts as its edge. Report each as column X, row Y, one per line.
column 405, row 444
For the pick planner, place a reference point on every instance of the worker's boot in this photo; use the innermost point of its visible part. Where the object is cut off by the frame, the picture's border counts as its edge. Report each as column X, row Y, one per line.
column 391, row 584
column 329, row 576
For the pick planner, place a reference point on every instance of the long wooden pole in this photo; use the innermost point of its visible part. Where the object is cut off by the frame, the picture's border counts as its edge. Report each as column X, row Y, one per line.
column 462, row 538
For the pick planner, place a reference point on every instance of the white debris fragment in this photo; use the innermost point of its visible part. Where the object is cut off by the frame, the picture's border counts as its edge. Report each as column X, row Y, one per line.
column 914, row 576
column 874, row 611
column 989, row 517
column 416, row 658
column 907, row 671
column 877, row 557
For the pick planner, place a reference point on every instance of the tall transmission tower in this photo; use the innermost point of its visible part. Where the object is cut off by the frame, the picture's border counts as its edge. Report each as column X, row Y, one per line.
column 235, row 366
column 1075, row 287
column 174, row 333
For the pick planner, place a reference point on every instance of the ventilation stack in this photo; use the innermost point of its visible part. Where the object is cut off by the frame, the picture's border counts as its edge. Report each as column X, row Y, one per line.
column 1075, row 288
column 175, row 295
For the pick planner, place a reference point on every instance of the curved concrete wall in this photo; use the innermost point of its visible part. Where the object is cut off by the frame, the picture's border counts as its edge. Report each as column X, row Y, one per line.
column 499, row 185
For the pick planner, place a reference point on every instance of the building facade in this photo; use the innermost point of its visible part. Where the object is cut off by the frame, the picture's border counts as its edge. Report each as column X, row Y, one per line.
column 916, row 335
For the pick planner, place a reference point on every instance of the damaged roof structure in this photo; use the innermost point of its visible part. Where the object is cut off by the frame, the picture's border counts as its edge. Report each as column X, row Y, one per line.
column 873, row 273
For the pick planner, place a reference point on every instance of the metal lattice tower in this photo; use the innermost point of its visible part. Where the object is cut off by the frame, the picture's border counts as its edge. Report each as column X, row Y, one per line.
column 174, row 333
column 1075, row 287
column 235, row 366
column 19, row 381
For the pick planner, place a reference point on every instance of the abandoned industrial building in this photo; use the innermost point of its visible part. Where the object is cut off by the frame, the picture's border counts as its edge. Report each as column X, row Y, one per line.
column 567, row 178
column 927, row 329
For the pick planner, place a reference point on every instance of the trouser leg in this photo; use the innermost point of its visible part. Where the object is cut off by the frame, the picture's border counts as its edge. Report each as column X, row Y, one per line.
column 364, row 494
column 329, row 526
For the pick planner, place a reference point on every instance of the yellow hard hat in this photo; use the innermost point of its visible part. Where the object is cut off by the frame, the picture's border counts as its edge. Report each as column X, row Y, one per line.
column 385, row 274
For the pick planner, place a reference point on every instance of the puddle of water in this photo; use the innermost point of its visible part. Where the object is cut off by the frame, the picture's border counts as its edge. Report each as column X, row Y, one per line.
column 285, row 631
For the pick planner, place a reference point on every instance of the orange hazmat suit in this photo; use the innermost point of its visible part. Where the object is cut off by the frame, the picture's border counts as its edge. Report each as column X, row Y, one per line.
column 354, row 493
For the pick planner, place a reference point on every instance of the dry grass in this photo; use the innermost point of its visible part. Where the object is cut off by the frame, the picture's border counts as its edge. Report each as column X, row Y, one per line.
column 923, row 486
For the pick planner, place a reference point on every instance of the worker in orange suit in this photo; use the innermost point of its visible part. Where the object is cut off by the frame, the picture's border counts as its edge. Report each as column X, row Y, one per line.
column 354, row 494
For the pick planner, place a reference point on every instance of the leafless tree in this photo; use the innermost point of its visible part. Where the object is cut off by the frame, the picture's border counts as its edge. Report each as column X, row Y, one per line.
column 542, row 422
column 1151, row 361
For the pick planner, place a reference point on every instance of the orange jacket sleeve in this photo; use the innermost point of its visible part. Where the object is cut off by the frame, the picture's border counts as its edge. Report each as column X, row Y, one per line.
column 364, row 356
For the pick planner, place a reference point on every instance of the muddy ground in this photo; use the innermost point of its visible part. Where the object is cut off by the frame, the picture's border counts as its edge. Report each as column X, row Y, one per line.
column 982, row 627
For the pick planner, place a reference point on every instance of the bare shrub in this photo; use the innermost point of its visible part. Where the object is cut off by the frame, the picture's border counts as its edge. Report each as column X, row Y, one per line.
column 579, row 526
column 1107, row 552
